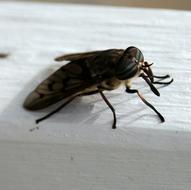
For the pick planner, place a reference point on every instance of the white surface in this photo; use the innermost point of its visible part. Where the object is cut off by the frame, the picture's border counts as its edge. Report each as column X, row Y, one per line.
column 76, row 148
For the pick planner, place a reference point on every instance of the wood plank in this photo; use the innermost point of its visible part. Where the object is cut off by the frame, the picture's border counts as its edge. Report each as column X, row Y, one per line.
column 77, row 149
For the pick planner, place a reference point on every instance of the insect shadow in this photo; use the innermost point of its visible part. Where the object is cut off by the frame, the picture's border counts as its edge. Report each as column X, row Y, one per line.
column 77, row 112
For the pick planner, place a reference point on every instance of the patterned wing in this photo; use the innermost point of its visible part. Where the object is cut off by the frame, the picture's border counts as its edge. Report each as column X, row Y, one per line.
column 85, row 55
column 69, row 80
column 77, row 77
column 76, row 56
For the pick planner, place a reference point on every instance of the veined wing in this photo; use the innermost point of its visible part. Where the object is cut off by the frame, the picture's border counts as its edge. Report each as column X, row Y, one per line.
column 85, row 55
column 77, row 77
column 69, row 80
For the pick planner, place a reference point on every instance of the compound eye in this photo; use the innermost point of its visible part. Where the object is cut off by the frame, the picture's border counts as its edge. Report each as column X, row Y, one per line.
column 134, row 52
column 135, row 60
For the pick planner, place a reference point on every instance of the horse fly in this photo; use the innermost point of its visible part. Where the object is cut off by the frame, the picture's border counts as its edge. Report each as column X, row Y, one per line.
column 94, row 72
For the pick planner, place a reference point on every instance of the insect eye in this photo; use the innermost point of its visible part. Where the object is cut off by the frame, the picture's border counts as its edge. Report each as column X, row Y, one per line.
column 135, row 60
column 134, row 52
column 127, row 66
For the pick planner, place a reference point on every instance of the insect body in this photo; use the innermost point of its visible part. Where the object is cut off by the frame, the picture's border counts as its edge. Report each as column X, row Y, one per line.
column 94, row 72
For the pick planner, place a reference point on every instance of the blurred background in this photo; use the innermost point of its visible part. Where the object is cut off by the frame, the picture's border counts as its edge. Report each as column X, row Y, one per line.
column 167, row 4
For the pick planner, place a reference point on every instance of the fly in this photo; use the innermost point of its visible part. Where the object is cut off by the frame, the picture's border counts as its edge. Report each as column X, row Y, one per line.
column 93, row 73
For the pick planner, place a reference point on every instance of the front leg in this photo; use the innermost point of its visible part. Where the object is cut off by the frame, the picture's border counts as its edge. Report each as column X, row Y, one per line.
column 132, row 91
column 150, row 83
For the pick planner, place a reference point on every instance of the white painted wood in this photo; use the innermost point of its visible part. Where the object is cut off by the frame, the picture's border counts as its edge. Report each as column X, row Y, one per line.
column 77, row 149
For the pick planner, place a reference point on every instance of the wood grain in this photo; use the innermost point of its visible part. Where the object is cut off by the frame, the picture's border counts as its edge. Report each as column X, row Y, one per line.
column 77, row 149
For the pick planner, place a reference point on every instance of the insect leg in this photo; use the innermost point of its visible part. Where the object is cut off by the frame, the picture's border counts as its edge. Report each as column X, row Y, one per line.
column 161, row 77
column 110, row 106
column 147, row 103
column 153, row 88
column 149, row 74
column 56, row 110
column 165, row 83
column 146, row 78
